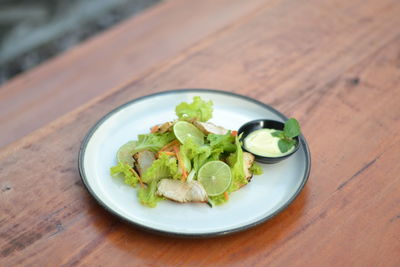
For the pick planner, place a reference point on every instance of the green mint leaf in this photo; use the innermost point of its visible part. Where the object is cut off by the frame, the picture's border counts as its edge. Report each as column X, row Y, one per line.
column 291, row 128
column 285, row 145
column 277, row 133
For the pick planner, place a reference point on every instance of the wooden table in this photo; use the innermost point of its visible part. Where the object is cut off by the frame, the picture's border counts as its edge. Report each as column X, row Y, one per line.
column 334, row 65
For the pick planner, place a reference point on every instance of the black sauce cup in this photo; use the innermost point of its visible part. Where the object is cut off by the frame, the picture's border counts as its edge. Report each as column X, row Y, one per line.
column 252, row 126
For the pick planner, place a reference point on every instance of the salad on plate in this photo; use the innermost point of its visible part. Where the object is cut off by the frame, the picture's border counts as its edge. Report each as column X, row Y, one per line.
column 186, row 160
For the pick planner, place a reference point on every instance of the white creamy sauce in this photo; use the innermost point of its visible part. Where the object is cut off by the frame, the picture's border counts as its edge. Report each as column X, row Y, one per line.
column 262, row 143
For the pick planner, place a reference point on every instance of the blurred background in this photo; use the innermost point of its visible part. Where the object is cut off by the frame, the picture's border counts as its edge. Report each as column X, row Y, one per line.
column 32, row 31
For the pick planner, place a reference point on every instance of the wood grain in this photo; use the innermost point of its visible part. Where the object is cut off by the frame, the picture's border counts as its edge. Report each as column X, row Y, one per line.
column 110, row 60
column 335, row 65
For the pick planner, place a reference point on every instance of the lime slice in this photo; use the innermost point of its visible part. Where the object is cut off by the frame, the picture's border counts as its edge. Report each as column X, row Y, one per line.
column 215, row 176
column 184, row 130
column 124, row 154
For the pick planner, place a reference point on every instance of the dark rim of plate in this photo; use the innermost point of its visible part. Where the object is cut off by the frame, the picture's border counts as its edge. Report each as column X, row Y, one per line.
column 88, row 136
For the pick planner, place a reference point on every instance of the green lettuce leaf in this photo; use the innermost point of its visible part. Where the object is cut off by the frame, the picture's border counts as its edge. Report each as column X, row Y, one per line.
column 201, row 159
column 152, row 141
column 198, row 154
column 256, row 169
column 226, row 142
column 186, row 161
column 235, row 161
column 197, row 110
column 126, row 172
column 164, row 167
column 147, row 195
column 215, row 154
column 190, row 148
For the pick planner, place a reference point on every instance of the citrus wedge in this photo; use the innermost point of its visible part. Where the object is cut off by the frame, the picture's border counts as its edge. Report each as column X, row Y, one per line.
column 184, row 130
column 215, row 176
column 124, row 153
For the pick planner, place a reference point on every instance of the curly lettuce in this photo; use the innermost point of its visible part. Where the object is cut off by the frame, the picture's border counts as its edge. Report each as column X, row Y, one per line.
column 198, row 154
column 164, row 167
column 152, row 141
column 235, row 161
column 148, row 195
column 126, row 172
column 197, row 110
column 226, row 142
column 256, row 169
column 218, row 200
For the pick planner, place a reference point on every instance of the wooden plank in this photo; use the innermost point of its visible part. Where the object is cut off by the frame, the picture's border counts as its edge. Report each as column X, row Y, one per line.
column 110, row 60
column 341, row 79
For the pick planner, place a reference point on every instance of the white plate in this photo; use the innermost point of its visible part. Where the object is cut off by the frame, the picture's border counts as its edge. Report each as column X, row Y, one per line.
column 264, row 197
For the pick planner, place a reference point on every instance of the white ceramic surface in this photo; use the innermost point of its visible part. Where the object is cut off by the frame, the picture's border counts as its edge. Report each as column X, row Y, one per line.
column 265, row 196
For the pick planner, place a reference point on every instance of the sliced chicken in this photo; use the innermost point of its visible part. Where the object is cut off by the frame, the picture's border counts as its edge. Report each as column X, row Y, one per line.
column 182, row 192
column 248, row 160
column 208, row 127
column 165, row 127
column 162, row 128
column 144, row 159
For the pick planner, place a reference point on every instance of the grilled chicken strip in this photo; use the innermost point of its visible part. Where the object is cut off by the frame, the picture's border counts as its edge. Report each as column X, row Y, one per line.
column 144, row 159
column 248, row 160
column 165, row 127
column 182, row 192
column 208, row 127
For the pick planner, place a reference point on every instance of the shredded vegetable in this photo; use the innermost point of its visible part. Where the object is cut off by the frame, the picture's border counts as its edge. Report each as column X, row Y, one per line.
column 160, row 156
